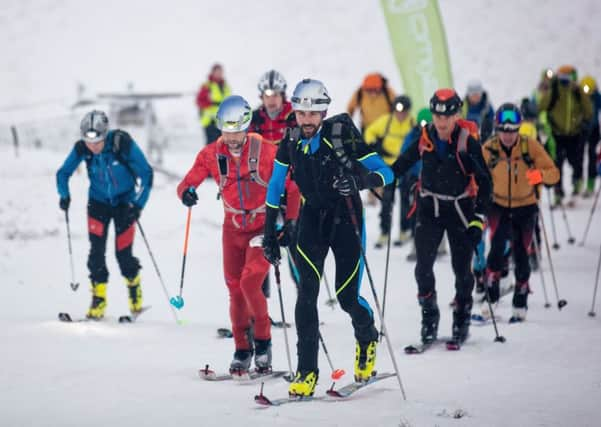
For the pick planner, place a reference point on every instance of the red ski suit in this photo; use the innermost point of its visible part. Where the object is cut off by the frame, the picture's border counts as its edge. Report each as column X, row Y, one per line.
column 243, row 191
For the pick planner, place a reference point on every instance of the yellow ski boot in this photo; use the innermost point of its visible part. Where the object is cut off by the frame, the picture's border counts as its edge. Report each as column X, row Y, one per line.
column 365, row 360
column 96, row 311
column 303, row 384
column 135, row 294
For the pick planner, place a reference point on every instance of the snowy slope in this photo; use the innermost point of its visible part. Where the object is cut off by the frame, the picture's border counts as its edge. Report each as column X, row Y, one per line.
column 107, row 374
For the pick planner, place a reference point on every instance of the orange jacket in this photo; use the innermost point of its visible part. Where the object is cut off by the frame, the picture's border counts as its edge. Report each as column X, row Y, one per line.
column 243, row 195
column 510, row 184
column 370, row 107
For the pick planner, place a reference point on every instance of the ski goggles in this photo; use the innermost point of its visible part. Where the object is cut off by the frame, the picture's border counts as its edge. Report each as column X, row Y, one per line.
column 309, row 102
column 508, row 120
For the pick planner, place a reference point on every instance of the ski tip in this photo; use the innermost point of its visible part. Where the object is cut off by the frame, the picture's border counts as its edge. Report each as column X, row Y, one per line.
column 453, row 345
column 261, row 399
column 125, row 319
column 64, row 317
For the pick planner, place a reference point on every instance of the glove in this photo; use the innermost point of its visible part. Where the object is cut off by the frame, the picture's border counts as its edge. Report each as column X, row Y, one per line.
column 271, row 249
column 288, row 233
column 64, row 203
column 475, row 229
column 133, row 213
column 189, row 197
column 534, row 176
column 347, row 185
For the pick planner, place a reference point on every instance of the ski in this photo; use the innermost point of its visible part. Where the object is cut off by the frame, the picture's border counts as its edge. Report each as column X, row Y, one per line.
column 332, row 395
column 483, row 320
column 210, row 375
column 131, row 318
column 349, row 389
column 128, row 318
column 418, row 348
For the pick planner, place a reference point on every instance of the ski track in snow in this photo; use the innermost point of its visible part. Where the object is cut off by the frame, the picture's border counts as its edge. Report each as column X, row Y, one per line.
column 99, row 374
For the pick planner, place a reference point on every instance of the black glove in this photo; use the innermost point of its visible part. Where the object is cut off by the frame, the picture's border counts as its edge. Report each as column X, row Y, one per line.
column 475, row 229
column 288, row 233
column 64, row 203
column 133, row 213
column 347, row 185
column 189, row 197
column 271, row 249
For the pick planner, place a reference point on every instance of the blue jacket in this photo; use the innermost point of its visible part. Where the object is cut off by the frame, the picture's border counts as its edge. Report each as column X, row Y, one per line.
column 111, row 181
column 482, row 113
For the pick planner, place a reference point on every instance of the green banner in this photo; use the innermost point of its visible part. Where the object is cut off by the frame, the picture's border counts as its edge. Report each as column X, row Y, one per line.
column 420, row 47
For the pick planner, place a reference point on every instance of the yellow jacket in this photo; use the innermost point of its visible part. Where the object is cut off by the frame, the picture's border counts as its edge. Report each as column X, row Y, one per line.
column 370, row 107
column 510, row 185
column 392, row 138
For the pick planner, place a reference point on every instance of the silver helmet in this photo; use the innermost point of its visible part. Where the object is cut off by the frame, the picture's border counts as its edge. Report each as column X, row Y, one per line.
column 310, row 95
column 234, row 114
column 272, row 82
column 94, row 126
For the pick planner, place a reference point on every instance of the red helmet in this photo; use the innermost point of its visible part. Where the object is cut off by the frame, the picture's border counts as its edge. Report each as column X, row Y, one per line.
column 445, row 102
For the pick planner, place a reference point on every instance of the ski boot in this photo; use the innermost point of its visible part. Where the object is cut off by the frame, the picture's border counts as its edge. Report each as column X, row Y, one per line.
column 241, row 362
column 403, row 238
column 135, row 294
column 382, row 241
column 520, row 302
column 96, row 310
column 461, row 321
column 430, row 317
column 303, row 384
column 263, row 355
column 365, row 360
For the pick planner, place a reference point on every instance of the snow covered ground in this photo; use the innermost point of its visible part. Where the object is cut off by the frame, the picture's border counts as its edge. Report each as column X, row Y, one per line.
column 101, row 374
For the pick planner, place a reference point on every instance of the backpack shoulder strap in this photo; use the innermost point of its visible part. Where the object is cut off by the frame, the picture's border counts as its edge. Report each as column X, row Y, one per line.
column 339, row 151
column 493, row 149
column 223, row 169
column 462, row 147
column 554, row 94
column 254, row 154
column 525, row 152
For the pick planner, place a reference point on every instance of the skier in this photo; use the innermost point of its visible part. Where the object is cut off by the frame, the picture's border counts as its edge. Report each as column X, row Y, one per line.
column 241, row 163
column 373, row 99
column 518, row 165
column 477, row 108
column 211, row 94
column 387, row 134
column 330, row 163
column 448, row 201
column 569, row 112
column 114, row 162
column 275, row 114
column 270, row 121
column 589, row 87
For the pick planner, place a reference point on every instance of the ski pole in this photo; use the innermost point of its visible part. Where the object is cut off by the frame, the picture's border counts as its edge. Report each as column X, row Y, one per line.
column 74, row 285
column 279, row 285
column 553, row 229
column 498, row 338
column 331, row 301
column 590, row 217
column 540, row 269
column 351, row 209
column 178, row 301
column 385, row 279
column 592, row 312
column 156, row 268
column 571, row 239
column 560, row 302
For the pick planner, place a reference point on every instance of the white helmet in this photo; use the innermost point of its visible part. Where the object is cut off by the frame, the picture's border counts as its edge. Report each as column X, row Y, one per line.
column 310, row 95
column 94, row 126
column 234, row 114
column 272, row 81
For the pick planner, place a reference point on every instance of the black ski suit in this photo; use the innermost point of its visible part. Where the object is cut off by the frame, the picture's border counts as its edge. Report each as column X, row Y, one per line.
column 445, row 175
column 325, row 223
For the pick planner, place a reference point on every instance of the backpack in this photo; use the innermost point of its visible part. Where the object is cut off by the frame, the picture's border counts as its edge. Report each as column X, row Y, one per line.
column 555, row 94
column 384, row 89
column 121, row 147
column 494, row 152
column 253, row 165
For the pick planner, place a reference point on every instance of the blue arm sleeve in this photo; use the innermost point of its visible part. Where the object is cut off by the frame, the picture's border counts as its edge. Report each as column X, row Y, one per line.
column 65, row 172
column 276, row 185
column 374, row 163
column 142, row 169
